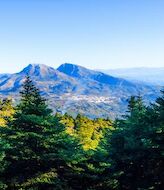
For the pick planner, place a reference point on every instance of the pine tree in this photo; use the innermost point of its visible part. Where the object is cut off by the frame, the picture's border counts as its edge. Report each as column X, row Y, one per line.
column 131, row 104
column 31, row 100
column 3, row 163
column 160, row 107
column 40, row 149
column 156, row 137
column 135, row 149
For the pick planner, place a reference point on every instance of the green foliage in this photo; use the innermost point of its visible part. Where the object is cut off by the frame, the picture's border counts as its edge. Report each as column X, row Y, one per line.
column 159, row 108
column 39, row 150
column 136, row 150
column 3, row 162
column 88, row 132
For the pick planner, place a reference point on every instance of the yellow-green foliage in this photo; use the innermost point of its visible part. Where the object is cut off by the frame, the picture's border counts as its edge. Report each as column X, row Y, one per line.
column 46, row 178
column 6, row 111
column 88, row 131
column 69, row 122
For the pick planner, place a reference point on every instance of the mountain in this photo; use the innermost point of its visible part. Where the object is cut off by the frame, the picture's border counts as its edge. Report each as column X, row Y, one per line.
column 146, row 75
column 85, row 74
column 4, row 76
column 105, row 84
column 46, row 78
column 72, row 88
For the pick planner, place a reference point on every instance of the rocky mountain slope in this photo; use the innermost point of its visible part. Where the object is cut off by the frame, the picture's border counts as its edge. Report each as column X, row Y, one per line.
column 73, row 89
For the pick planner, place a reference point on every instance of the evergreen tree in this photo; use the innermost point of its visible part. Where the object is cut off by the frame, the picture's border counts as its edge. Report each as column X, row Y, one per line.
column 3, row 162
column 135, row 150
column 40, row 150
column 159, row 107
column 155, row 118
column 131, row 104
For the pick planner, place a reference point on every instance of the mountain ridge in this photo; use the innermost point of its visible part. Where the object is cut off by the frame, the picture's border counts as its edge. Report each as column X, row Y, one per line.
column 72, row 88
column 149, row 75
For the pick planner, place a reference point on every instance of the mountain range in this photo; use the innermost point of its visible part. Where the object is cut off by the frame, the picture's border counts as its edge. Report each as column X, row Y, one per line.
column 154, row 76
column 75, row 89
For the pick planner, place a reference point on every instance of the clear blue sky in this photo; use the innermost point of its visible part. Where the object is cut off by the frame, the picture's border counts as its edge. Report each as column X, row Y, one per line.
column 100, row 34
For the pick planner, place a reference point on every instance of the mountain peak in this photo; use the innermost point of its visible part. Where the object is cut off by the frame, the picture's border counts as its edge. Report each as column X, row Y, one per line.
column 73, row 70
column 39, row 70
column 80, row 72
column 68, row 68
column 33, row 67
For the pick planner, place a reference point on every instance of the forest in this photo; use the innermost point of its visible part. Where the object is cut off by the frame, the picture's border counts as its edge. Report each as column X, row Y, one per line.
column 40, row 150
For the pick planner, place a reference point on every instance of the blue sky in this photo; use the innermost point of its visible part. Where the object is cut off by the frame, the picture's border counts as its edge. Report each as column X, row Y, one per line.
column 98, row 34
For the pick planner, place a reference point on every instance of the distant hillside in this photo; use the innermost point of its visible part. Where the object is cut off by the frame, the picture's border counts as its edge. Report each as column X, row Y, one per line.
column 148, row 75
column 75, row 89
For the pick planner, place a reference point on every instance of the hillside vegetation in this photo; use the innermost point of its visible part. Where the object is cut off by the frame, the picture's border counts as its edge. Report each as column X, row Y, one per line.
column 43, row 151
